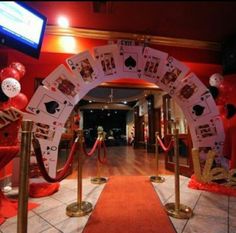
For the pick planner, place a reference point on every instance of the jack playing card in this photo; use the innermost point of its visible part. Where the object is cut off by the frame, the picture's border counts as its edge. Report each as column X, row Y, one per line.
column 189, row 88
column 108, row 60
column 65, row 82
column 153, row 64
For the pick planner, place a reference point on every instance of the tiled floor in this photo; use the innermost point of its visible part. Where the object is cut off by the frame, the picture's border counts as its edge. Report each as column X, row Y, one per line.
column 213, row 213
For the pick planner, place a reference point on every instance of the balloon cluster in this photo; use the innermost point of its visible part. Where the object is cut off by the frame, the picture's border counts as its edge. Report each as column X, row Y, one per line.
column 220, row 92
column 10, row 87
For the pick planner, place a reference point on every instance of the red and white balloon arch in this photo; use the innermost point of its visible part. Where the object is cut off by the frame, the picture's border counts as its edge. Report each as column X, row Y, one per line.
column 52, row 103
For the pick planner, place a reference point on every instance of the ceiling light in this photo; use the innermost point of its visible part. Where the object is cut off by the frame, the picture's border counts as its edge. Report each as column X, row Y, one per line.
column 63, row 22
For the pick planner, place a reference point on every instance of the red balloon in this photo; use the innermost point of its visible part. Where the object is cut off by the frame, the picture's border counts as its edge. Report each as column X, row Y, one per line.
column 9, row 72
column 19, row 67
column 20, row 101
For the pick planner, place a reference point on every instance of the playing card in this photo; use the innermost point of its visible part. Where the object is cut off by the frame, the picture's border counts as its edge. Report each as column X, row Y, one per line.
column 131, row 59
column 207, row 132
column 153, row 63
column 200, row 109
column 84, row 66
column 174, row 71
column 108, row 61
column 50, row 156
column 54, row 107
column 189, row 88
column 65, row 82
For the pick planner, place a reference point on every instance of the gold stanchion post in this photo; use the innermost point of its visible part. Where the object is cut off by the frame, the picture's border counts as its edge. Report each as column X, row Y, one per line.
column 98, row 179
column 176, row 209
column 157, row 178
column 79, row 208
column 22, row 215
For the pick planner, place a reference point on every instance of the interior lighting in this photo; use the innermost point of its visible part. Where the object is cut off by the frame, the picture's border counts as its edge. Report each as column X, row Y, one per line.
column 63, row 21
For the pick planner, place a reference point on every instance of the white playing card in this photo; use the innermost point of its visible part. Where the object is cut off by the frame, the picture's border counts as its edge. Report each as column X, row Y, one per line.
column 54, row 107
column 108, row 60
column 174, row 71
column 189, row 88
column 131, row 59
column 153, row 63
column 43, row 131
column 65, row 82
column 50, row 154
column 200, row 109
column 84, row 66
column 207, row 132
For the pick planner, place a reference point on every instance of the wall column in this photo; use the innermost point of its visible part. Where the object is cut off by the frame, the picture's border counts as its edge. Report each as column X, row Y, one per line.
column 151, row 124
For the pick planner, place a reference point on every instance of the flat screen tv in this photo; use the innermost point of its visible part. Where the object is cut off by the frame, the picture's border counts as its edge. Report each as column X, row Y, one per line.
column 21, row 27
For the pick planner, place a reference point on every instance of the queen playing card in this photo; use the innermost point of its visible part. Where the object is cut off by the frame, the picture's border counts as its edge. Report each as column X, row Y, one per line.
column 84, row 66
column 65, row 82
column 174, row 71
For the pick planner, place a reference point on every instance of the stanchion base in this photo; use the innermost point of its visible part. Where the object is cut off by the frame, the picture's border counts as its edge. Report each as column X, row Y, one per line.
column 76, row 210
column 98, row 180
column 184, row 212
column 157, row 179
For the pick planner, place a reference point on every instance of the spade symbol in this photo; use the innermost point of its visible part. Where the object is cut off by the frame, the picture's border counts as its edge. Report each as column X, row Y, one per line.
column 52, row 107
column 198, row 110
column 130, row 62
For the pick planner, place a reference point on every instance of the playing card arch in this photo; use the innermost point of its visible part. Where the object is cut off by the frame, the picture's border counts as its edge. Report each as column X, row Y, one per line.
column 111, row 62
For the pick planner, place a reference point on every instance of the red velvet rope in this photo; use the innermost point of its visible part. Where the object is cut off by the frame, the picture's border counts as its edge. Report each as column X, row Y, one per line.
column 90, row 153
column 166, row 149
column 104, row 160
column 62, row 174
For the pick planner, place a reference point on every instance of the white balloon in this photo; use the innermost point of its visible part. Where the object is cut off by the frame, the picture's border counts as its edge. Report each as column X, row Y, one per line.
column 10, row 87
column 216, row 79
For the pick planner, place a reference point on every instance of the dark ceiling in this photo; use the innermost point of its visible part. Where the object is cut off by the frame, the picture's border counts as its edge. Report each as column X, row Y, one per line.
column 199, row 20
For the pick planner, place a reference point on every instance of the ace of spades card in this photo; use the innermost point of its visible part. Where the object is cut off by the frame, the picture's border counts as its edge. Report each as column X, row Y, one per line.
column 174, row 71
column 54, row 107
column 108, row 60
column 201, row 109
column 189, row 88
column 131, row 60
column 63, row 81
column 84, row 66
column 153, row 63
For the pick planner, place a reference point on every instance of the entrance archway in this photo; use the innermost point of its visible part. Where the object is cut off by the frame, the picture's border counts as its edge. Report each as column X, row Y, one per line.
column 52, row 103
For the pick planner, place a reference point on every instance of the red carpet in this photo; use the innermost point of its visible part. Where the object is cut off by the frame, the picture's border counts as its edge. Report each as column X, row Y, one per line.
column 211, row 187
column 129, row 204
column 9, row 207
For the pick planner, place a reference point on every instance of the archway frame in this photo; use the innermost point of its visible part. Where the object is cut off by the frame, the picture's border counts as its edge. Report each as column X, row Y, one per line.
column 52, row 103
